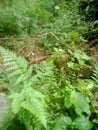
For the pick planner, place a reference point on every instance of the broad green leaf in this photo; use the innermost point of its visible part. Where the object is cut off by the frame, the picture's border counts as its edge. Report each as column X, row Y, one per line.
column 70, row 64
column 81, row 104
column 95, row 121
column 82, row 123
column 62, row 122
column 67, row 101
column 85, row 57
column 81, row 62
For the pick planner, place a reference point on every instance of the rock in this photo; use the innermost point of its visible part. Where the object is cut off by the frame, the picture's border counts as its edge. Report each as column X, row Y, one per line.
column 4, row 104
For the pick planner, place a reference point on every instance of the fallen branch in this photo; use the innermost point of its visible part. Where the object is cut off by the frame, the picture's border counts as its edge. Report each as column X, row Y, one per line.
column 61, row 41
column 11, row 38
column 38, row 60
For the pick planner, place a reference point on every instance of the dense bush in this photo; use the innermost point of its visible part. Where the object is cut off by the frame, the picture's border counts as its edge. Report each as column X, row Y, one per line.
column 89, row 9
column 22, row 17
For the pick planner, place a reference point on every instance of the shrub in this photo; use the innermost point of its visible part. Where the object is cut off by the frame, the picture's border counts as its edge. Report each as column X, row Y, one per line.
column 21, row 17
column 89, row 9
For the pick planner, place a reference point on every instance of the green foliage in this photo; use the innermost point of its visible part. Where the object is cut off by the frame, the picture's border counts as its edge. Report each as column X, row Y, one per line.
column 89, row 8
column 15, row 67
column 68, row 96
column 95, row 75
column 31, row 101
column 81, row 123
column 59, row 93
column 62, row 123
column 80, row 57
column 78, row 101
column 41, row 18
column 18, row 70
column 22, row 17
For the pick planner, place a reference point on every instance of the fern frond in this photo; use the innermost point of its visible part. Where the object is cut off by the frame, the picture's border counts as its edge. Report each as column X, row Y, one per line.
column 15, row 66
column 17, row 99
column 95, row 74
column 29, row 100
column 45, row 72
column 11, row 60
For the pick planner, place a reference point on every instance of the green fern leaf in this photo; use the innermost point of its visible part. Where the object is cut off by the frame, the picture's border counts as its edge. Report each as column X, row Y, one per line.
column 27, row 99
column 20, row 79
column 16, row 103
column 95, row 75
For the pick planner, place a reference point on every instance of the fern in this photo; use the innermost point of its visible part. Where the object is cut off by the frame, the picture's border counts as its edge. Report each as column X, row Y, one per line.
column 30, row 100
column 95, row 75
column 16, row 67
column 27, row 99
column 45, row 73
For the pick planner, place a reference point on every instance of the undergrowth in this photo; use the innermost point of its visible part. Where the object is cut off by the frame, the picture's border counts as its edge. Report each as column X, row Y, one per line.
column 59, row 93
column 40, row 18
column 69, row 98
column 20, row 82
